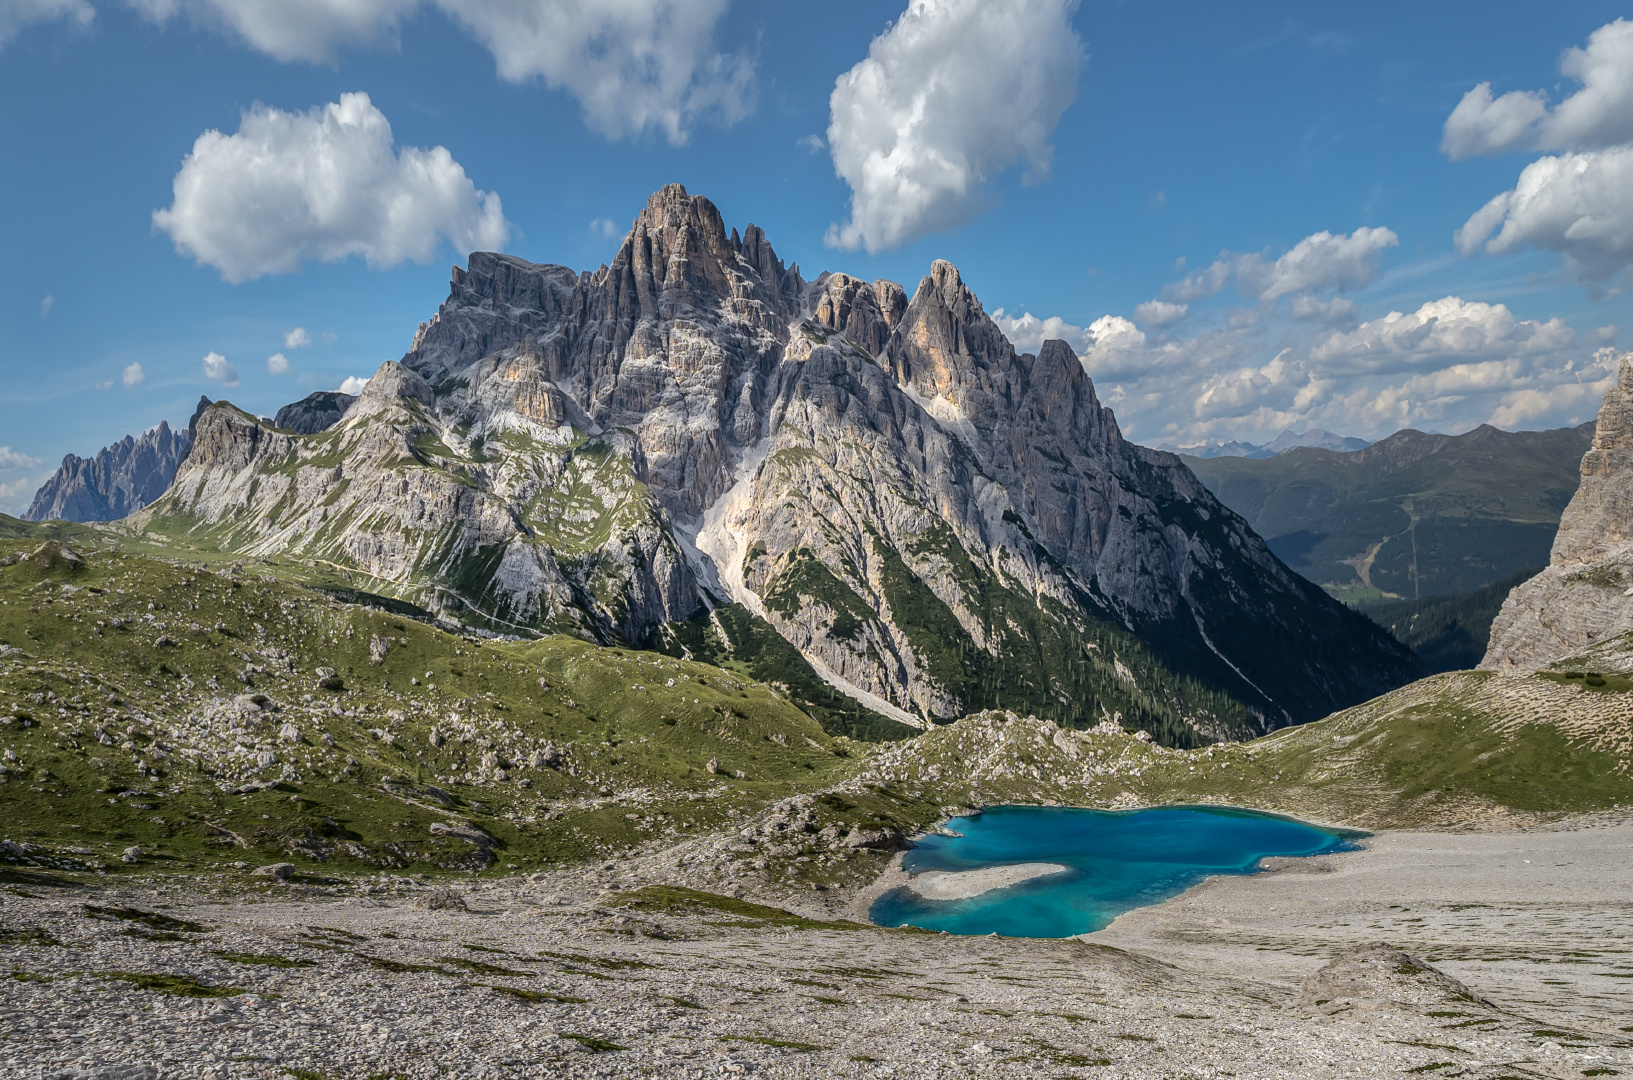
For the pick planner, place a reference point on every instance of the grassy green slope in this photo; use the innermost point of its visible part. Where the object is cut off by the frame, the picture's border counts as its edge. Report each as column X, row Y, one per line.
column 1412, row 516
column 1449, row 632
column 1449, row 751
column 227, row 716
column 126, row 692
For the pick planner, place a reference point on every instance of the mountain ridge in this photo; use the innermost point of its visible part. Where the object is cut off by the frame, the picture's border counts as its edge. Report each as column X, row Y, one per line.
column 1414, row 515
column 934, row 521
column 118, row 480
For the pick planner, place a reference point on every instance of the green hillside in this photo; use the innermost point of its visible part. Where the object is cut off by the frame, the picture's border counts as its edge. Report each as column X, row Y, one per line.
column 1449, row 632
column 1412, row 516
column 165, row 714
column 208, row 713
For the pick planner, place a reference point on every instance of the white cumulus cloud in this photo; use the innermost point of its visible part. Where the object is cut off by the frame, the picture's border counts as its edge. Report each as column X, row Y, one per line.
column 1308, row 309
column 634, row 65
column 353, row 385
column 324, row 185
column 17, row 15
column 1160, row 313
column 277, row 364
column 1440, row 332
column 133, row 376
column 1580, row 205
column 11, row 459
column 1450, row 364
column 1321, row 261
column 950, row 96
column 1599, row 114
column 309, row 30
column 296, row 338
column 218, row 370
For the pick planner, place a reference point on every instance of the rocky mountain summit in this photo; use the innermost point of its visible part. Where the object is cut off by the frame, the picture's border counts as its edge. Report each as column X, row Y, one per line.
column 937, row 523
column 1585, row 596
column 315, row 412
column 119, row 480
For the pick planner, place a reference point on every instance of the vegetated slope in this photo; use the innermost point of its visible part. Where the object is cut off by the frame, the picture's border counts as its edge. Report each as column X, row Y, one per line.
column 119, row 480
column 206, row 715
column 1450, row 633
column 935, row 522
column 1411, row 516
column 1453, row 750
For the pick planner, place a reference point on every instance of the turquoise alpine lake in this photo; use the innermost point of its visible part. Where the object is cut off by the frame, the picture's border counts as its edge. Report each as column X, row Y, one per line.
column 1074, row 870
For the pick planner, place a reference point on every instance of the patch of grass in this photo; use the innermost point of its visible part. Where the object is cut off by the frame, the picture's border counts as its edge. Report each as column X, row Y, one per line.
column 175, row 985
column 150, row 919
column 537, row 995
column 781, row 1044
column 484, row 969
column 400, row 967
column 265, row 960
column 28, row 937
column 593, row 1044
column 1432, row 1066
column 673, row 899
column 683, row 1003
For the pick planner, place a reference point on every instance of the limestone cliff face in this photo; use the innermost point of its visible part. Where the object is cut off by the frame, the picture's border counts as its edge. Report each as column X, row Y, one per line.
column 935, row 522
column 1584, row 596
column 119, row 480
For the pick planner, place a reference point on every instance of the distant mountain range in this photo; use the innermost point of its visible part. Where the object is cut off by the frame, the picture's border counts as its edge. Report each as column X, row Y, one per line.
column 1412, row 516
column 119, row 480
column 1287, row 440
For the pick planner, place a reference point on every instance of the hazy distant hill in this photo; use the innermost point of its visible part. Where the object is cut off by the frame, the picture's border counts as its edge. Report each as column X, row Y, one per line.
column 1449, row 632
column 1411, row 516
column 1287, row 440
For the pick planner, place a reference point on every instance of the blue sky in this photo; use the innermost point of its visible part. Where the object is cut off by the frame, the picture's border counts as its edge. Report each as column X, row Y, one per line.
column 1213, row 163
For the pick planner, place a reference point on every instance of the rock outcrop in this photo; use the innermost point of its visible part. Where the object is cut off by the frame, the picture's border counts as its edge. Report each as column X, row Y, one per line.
column 935, row 522
column 118, row 481
column 314, row 412
column 1585, row 596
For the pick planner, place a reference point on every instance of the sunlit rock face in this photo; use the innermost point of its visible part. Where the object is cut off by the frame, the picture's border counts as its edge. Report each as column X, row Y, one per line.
column 1584, row 599
column 934, row 521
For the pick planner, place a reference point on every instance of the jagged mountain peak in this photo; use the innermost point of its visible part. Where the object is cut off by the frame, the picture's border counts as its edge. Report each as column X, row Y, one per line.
column 933, row 521
column 119, row 480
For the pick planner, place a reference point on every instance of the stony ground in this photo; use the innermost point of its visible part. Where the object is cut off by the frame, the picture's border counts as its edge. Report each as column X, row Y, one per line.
column 592, row 973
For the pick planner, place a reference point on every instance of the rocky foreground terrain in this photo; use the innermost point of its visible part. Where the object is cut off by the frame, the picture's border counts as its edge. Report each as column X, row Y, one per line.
column 597, row 972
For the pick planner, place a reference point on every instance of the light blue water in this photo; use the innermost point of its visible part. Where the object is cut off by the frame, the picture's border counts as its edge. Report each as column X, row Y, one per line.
column 1117, row 860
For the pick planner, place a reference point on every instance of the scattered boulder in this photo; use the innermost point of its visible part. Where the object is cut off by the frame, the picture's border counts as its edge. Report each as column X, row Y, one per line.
column 282, row 871
column 130, row 855
column 442, row 898
column 1379, row 976
column 714, row 765
column 54, row 554
column 378, row 648
column 886, row 839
